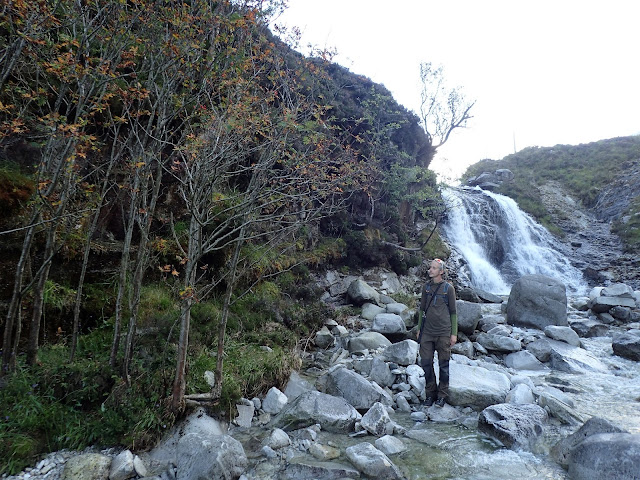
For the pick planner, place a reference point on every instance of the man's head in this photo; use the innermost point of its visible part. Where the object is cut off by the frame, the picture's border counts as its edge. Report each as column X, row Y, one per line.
column 436, row 269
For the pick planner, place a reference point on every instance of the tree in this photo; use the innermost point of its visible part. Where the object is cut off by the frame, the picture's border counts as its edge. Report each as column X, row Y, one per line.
column 442, row 110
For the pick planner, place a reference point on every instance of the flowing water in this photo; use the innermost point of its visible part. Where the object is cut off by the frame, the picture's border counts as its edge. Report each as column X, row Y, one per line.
column 500, row 242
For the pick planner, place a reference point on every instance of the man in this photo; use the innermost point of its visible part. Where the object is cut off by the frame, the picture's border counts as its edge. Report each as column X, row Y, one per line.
column 437, row 331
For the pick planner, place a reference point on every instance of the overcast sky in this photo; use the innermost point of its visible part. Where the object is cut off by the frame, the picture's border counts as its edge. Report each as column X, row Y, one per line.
column 542, row 72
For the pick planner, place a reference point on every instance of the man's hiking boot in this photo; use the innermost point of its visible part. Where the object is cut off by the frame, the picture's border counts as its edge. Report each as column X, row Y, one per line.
column 440, row 402
column 428, row 402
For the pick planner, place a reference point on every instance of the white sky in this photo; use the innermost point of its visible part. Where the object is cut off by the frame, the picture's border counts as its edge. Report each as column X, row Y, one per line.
column 542, row 72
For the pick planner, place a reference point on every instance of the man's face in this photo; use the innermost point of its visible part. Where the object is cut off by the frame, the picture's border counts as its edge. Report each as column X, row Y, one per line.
column 434, row 270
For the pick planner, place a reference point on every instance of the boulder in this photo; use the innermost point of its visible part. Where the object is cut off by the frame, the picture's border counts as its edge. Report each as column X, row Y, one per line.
column 388, row 323
column 274, row 401
column 604, row 304
column 297, row 386
column 626, row 345
column 353, row 387
column 301, row 467
column 561, row 450
column 562, row 334
column 514, row 425
column 381, row 373
column 88, row 466
column 570, row 359
column 122, row 466
column 541, row 349
column 360, row 292
column 589, row 327
column 372, row 462
column 278, row 439
column 369, row 311
column 499, row 343
column 560, row 406
column 396, row 308
column 403, row 353
column 215, row 457
column 324, row 338
column 537, row 301
column 368, row 341
column 614, row 456
column 520, row 394
column 523, row 360
column 475, row 386
column 468, row 316
column 332, row 413
column 617, row 290
column 377, row 421
column 390, row 445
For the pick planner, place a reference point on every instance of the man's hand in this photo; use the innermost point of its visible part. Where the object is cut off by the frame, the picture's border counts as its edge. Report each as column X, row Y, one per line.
column 454, row 339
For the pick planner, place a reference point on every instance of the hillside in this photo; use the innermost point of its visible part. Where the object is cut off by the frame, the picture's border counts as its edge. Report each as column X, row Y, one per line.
column 602, row 177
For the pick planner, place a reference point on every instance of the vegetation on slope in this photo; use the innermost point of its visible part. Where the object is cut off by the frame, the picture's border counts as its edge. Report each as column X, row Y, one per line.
column 585, row 171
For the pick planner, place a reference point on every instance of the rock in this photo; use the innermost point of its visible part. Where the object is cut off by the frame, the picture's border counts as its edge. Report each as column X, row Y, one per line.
column 475, row 386
column 390, row 445
column 468, row 316
column 561, row 450
column 520, row 394
column 562, row 334
column 603, row 304
column 541, row 349
column 274, row 401
column 333, row 414
column 626, row 345
column 297, row 386
column 487, row 296
column 278, row 439
column 388, row 323
column 617, row 290
column 372, row 462
column 245, row 415
column 396, row 308
column 499, row 343
column 299, row 468
column 323, row 452
column 88, row 466
column 359, row 292
column 215, row 457
column 512, row 424
column 537, row 301
column 463, row 348
column 588, row 328
column 368, row 341
column 122, row 466
column 324, row 338
column 523, row 360
column 570, row 359
column 369, row 311
column 351, row 386
column 559, row 406
column 614, row 456
column 403, row 353
column 139, row 466
column 377, row 421
column 580, row 303
column 380, row 373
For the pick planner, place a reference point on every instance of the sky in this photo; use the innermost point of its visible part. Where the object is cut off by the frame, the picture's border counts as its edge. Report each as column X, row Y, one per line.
column 541, row 72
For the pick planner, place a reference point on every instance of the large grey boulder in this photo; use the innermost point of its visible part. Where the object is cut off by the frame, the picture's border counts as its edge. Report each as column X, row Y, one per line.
column 589, row 327
column 537, row 301
column 332, row 413
column 403, row 353
column 388, row 323
column 377, row 421
column 626, row 345
column 468, row 316
column 372, row 462
column 614, row 456
column 360, row 292
column 561, row 450
column 603, row 304
column 368, row 341
column 353, row 387
column 476, row 387
column 214, row 457
column 499, row 343
column 514, row 425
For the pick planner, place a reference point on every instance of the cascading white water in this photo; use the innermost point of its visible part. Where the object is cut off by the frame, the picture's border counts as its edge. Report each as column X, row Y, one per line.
column 501, row 243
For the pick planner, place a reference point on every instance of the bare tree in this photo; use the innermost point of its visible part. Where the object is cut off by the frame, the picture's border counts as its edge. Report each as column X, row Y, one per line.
column 442, row 110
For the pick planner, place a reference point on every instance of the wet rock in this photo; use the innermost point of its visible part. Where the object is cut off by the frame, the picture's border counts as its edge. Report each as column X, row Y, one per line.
column 390, row 445
column 627, row 345
column 512, row 424
column 377, row 421
column 332, row 413
column 561, row 450
column 614, row 456
column 372, row 462
column 301, row 467
column 570, row 359
column 537, row 301
column 589, row 327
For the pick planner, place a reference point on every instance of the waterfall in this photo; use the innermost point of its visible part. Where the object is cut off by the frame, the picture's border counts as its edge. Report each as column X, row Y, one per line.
column 500, row 243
